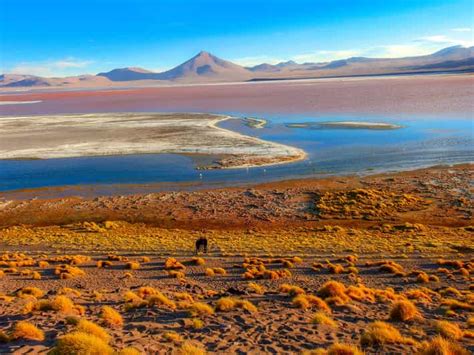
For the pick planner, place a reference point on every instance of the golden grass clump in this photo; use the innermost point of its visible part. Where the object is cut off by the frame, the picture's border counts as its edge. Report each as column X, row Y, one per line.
column 393, row 268
column 333, row 289
column 447, row 329
column 291, row 290
column 146, row 291
column 69, row 292
column 172, row 337
column 441, row 346
column 27, row 330
column 210, row 272
column 343, row 349
column 111, row 317
column 88, row 327
column 36, row 275
column 176, row 274
column 379, row 333
column 422, row 277
column 197, row 261
column 404, row 311
column 68, row 272
column 81, row 343
column 61, row 304
column 200, row 308
column 129, row 351
column 132, row 265
column 104, row 264
column 256, row 288
column 335, row 268
column 43, row 264
column 226, row 304
column 130, row 296
column 304, row 301
column 451, row 291
column 322, row 318
column 454, row 304
column 145, row 259
column 335, row 349
column 159, row 299
column 173, row 264
column 190, row 348
column 420, row 295
column 30, row 291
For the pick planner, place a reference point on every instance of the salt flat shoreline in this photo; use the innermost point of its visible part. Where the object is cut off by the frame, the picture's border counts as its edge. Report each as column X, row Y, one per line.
column 67, row 136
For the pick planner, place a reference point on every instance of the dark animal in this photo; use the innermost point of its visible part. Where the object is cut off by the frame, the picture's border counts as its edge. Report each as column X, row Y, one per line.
column 201, row 243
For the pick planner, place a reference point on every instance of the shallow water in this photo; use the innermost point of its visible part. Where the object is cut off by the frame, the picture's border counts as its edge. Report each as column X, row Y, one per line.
column 422, row 141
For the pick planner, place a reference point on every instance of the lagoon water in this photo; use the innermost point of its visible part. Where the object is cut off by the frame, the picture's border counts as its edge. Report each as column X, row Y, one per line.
column 422, row 141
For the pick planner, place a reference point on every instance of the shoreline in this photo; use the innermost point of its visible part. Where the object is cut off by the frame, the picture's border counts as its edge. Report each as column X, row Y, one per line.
column 129, row 189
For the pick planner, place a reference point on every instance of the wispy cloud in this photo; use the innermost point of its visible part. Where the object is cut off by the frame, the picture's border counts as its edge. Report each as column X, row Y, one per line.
column 325, row 55
column 255, row 60
column 61, row 67
column 461, row 29
column 445, row 40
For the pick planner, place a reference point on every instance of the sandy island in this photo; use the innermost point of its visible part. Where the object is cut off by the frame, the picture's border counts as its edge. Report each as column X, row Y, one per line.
column 63, row 136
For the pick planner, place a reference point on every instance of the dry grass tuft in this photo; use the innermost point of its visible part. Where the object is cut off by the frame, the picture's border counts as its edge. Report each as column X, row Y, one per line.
column 132, row 265
column 333, row 289
column 129, row 351
column 111, row 317
column 441, row 346
column 291, row 290
column 85, row 326
column 404, row 311
column 27, row 330
column 304, row 301
column 190, row 348
column 256, row 288
column 30, row 291
column 198, row 261
column 173, row 264
column 200, row 308
column 379, row 333
column 159, row 299
column 81, row 343
column 447, row 329
column 172, row 337
column 321, row 318
column 226, row 304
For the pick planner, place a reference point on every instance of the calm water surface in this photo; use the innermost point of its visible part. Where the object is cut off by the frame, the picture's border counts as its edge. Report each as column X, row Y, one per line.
column 423, row 141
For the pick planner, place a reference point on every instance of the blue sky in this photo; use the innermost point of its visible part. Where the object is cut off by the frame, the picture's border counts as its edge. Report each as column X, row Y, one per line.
column 59, row 37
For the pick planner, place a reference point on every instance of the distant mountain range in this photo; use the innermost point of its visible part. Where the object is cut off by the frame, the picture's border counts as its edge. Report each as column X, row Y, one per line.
column 205, row 68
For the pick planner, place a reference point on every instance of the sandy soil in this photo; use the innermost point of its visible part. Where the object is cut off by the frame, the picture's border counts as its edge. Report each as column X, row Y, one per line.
column 409, row 95
column 385, row 239
column 61, row 136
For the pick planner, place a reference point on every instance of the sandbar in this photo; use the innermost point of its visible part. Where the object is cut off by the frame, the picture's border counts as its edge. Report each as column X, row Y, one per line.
column 76, row 135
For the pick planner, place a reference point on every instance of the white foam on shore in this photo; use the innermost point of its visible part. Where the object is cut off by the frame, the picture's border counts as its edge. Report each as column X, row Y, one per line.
column 19, row 102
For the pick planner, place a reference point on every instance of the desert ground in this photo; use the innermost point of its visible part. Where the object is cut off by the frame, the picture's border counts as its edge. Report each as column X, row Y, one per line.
column 44, row 137
column 450, row 95
column 347, row 265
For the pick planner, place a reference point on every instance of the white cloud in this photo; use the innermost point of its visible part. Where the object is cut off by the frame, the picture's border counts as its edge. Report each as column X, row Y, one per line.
column 461, row 29
column 62, row 67
column 255, row 60
column 445, row 40
column 324, row 56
